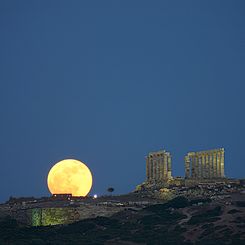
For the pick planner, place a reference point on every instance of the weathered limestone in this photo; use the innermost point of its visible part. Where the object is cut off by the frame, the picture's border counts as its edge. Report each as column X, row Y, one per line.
column 66, row 215
column 218, row 163
column 169, row 168
column 222, row 163
column 215, row 164
column 158, row 166
column 205, row 164
column 187, row 166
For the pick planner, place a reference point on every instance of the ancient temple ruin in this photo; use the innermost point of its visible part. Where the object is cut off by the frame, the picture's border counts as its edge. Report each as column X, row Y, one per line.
column 158, row 166
column 205, row 164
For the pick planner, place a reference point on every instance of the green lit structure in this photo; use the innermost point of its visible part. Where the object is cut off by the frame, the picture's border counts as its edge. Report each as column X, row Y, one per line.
column 53, row 216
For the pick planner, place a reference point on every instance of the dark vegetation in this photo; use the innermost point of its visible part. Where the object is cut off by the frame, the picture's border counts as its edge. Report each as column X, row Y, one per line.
column 240, row 203
column 156, row 224
column 110, row 189
column 151, row 229
column 208, row 216
column 178, row 202
column 200, row 200
column 234, row 211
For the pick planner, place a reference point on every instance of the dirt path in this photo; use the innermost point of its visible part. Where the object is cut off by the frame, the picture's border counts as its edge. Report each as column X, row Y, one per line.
column 185, row 212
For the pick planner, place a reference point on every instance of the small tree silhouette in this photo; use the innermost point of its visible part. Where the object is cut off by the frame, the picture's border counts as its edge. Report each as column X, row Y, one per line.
column 110, row 189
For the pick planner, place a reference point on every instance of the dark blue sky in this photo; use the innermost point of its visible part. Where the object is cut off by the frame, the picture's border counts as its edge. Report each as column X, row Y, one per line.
column 108, row 81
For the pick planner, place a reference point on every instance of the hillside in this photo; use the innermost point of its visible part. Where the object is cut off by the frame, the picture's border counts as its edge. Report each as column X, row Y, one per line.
column 178, row 221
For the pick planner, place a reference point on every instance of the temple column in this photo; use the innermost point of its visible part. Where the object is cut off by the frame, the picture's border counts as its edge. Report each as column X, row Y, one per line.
column 218, row 164
column 193, row 165
column 154, row 169
column 196, row 166
column 199, row 166
column 187, row 167
column 206, row 165
column 160, row 169
column 203, row 165
column 209, row 164
column 165, row 166
column 150, row 168
column 222, row 163
column 211, row 174
column 210, row 167
column 215, row 165
column 169, row 168
column 147, row 168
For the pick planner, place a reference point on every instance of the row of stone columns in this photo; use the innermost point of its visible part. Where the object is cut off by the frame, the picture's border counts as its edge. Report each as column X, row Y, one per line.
column 158, row 166
column 205, row 164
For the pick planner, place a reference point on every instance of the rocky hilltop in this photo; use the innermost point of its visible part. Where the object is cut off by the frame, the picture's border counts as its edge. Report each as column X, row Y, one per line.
column 179, row 221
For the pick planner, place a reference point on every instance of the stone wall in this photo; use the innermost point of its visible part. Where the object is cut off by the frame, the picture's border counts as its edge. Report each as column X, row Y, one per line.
column 66, row 215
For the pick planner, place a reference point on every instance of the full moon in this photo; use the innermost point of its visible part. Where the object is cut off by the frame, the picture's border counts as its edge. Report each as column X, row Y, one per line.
column 70, row 176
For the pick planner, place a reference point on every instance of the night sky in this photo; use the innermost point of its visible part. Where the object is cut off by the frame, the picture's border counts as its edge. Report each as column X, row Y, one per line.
column 106, row 82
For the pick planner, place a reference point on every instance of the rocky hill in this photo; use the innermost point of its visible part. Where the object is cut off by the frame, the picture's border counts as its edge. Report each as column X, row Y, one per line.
column 179, row 221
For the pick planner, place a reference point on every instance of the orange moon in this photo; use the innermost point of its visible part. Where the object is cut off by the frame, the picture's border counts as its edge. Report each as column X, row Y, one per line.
column 70, row 176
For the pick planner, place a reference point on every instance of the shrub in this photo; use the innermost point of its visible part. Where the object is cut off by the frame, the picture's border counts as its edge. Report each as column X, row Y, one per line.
column 240, row 203
column 233, row 211
column 208, row 216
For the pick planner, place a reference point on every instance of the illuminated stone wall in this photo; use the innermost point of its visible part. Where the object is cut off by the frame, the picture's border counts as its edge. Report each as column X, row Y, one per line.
column 66, row 215
column 36, row 216
column 54, row 216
